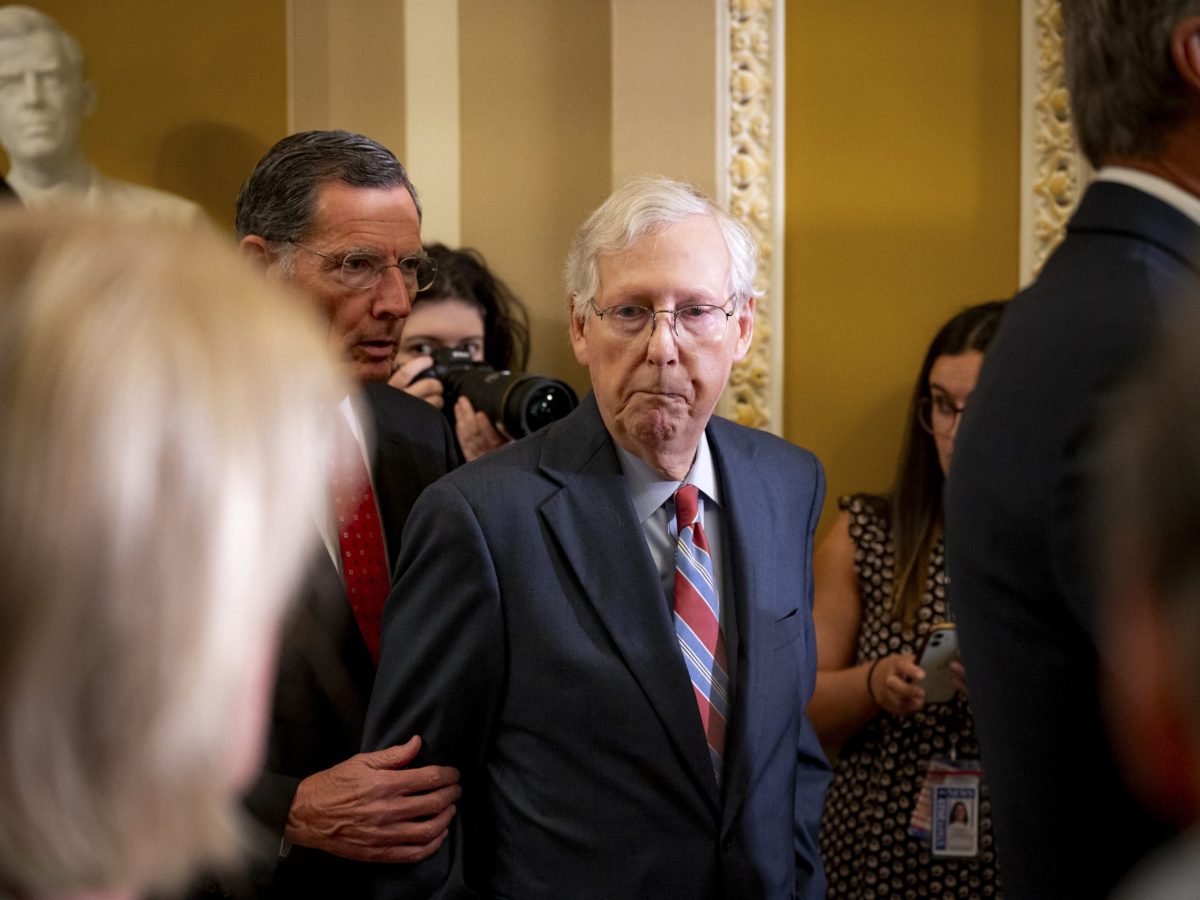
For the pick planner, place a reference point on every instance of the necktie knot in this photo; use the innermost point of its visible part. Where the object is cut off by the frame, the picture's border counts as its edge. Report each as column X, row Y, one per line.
column 687, row 501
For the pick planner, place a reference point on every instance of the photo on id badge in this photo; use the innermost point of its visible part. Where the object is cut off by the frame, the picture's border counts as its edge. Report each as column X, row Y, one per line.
column 955, row 820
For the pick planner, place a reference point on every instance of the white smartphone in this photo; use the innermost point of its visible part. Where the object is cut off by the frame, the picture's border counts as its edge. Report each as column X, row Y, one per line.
column 939, row 650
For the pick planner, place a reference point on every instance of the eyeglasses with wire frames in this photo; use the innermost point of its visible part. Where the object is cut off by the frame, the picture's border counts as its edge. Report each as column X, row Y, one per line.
column 939, row 415
column 701, row 323
column 360, row 271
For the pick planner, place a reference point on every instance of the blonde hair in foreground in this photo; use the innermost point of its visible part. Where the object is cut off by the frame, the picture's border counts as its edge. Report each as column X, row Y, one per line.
column 162, row 427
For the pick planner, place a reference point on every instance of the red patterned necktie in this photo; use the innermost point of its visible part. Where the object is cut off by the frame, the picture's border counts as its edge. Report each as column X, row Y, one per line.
column 698, row 623
column 360, row 538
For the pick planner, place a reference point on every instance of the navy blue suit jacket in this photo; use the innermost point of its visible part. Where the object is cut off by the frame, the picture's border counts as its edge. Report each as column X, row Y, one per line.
column 1023, row 582
column 528, row 641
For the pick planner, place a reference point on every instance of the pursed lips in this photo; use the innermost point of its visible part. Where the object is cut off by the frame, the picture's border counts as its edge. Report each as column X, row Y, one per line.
column 657, row 393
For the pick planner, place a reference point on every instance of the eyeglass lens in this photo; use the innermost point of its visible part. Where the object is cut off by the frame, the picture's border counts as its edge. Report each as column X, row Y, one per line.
column 701, row 322
column 364, row 271
column 938, row 415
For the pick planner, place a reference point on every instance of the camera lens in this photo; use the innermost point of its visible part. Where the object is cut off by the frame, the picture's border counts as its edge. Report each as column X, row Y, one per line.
column 522, row 403
column 534, row 401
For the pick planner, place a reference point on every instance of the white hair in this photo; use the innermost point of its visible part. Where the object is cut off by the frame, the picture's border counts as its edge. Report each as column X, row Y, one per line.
column 642, row 206
column 163, row 421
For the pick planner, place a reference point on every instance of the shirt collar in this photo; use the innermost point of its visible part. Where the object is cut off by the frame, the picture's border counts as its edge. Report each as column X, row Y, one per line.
column 650, row 491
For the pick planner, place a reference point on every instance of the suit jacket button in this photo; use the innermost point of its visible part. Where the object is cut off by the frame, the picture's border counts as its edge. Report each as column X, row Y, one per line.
column 727, row 844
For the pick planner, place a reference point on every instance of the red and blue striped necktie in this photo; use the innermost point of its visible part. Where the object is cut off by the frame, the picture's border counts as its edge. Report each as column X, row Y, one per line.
column 698, row 622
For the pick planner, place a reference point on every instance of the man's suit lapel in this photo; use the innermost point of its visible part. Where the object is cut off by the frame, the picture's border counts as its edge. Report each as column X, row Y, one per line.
column 593, row 520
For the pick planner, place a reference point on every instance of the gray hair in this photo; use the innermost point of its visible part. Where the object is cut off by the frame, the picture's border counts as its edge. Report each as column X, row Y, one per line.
column 278, row 200
column 164, row 413
column 1150, row 499
column 18, row 21
column 642, row 206
column 1125, row 91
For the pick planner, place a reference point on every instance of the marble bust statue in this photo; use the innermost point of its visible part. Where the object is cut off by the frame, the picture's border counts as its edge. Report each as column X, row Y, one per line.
column 44, row 98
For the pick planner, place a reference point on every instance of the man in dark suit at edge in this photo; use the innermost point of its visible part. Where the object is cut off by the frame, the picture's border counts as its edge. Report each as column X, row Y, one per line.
column 1022, row 584
column 335, row 215
column 629, row 722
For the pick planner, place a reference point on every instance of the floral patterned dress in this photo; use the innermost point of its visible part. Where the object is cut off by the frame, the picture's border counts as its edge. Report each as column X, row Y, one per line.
column 865, row 841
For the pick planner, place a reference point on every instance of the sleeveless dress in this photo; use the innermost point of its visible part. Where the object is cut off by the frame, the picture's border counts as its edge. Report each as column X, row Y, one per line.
column 877, row 777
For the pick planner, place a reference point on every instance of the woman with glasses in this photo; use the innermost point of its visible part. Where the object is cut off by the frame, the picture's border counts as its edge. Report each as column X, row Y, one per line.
column 465, row 308
column 880, row 587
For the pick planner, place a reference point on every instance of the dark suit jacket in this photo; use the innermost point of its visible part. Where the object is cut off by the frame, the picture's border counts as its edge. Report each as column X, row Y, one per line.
column 1023, row 585
column 548, row 672
column 325, row 671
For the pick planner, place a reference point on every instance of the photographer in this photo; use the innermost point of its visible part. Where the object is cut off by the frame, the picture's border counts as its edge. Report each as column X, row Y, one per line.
column 466, row 308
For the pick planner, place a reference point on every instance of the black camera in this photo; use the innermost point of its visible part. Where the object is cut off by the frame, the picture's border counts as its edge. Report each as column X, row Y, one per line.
column 523, row 403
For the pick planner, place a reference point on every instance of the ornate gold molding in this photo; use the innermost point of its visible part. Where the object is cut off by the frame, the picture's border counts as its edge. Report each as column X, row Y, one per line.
column 752, row 162
column 1053, row 173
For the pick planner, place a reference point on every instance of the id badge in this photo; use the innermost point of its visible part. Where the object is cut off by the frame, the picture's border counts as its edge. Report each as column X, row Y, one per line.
column 956, row 817
column 946, row 812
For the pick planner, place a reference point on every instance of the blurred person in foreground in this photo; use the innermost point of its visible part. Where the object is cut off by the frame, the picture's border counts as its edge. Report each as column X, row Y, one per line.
column 334, row 215
column 163, row 428
column 880, row 587
column 1026, row 589
column 1150, row 510
column 467, row 308
column 617, row 644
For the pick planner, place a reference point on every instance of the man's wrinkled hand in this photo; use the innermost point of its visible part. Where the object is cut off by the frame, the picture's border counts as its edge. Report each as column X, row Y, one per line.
column 370, row 808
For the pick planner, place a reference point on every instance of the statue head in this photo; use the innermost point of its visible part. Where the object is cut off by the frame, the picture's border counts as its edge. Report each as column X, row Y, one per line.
column 44, row 96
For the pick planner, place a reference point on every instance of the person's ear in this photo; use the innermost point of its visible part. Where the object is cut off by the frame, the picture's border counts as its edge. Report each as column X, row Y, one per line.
column 257, row 251
column 1185, row 51
column 578, row 338
column 88, row 106
column 745, row 323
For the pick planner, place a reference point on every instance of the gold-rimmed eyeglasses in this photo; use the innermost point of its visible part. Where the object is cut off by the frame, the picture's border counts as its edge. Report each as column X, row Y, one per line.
column 360, row 271
column 703, row 323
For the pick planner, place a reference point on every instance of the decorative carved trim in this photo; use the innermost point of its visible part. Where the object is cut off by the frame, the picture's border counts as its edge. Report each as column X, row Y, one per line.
column 750, row 155
column 1053, row 173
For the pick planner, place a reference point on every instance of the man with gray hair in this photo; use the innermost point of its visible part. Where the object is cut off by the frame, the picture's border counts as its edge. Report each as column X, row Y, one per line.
column 615, row 614
column 1023, row 585
column 44, row 98
column 335, row 215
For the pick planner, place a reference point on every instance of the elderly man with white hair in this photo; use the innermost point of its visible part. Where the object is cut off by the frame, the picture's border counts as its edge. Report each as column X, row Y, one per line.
column 614, row 615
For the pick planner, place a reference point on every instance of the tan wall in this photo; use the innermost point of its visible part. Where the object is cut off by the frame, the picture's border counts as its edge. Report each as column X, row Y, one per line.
column 189, row 95
column 902, row 207
column 664, row 90
column 902, row 135
column 348, row 68
column 535, row 119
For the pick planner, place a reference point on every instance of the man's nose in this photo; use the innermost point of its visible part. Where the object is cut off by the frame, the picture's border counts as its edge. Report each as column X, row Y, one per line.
column 392, row 300
column 31, row 89
column 662, row 345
